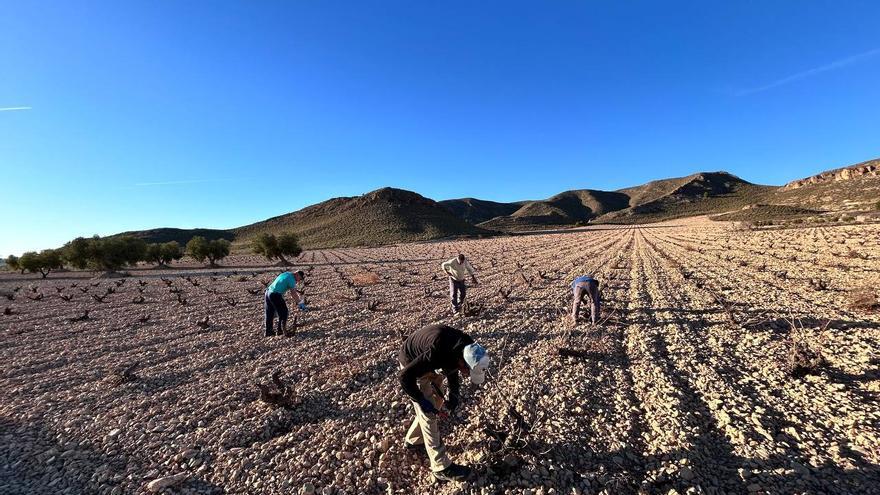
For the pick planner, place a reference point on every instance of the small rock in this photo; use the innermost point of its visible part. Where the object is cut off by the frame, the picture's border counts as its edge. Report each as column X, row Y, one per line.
column 160, row 484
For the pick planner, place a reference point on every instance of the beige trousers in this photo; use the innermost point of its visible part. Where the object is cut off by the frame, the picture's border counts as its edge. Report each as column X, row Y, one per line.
column 425, row 429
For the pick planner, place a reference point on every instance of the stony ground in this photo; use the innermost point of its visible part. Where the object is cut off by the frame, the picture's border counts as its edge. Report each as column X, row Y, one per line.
column 683, row 388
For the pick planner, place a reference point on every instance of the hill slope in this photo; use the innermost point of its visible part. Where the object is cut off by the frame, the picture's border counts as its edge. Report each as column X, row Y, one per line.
column 856, row 187
column 476, row 211
column 380, row 217
column 182, row 236
column 565, row 208
column 701, row 193
column 697, row 194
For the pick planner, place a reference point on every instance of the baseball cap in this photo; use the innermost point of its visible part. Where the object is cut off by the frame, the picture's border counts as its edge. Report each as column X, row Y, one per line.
column 477, row 360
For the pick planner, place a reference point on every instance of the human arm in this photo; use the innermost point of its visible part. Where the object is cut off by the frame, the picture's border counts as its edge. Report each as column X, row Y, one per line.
column 470, row 269
column 297, row 297
column 446, row 266
column 454, row 382
column 409, row 377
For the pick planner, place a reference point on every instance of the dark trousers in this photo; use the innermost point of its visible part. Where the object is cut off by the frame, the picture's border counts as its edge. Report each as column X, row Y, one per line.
column 457, row 292
column 275, row 305
column 581, row 293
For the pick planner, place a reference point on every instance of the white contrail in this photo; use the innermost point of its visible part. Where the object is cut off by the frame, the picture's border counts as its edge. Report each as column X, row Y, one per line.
column 12, row 109
column 837, row 64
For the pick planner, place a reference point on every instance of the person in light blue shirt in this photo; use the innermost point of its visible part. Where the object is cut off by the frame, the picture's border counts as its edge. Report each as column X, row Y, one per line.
column 582, row 287
column 275, row 304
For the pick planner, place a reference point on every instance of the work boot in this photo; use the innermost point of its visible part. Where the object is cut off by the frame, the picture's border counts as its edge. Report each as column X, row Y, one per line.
column 282, row 329
column 455, row 472
column 269, row 332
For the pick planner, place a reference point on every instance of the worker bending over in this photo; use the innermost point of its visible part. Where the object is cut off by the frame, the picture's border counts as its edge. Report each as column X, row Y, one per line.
column 583, row 287
column 275, row 304
column 429, row 350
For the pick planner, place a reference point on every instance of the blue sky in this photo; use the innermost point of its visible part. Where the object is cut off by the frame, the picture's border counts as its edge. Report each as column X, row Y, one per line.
column 218, row 114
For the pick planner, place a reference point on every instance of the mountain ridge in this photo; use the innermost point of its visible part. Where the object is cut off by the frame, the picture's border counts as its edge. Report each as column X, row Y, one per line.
column 390, row 215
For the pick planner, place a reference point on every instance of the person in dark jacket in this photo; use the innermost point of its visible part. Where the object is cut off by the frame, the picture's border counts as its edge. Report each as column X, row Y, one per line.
column 429, row 350
column 583, row 287
column 275, row 305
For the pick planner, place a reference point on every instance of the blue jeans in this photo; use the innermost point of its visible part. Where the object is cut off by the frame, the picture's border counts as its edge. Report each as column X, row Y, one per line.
column 275, row 305
column 581, row 293
column 457, row 292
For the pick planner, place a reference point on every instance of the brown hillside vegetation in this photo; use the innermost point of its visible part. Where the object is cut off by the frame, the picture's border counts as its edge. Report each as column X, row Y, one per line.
column 854, row 188
column 726, row 362
column 391, row 215
column 476, row 211
column 762, row 212
column 698, row 194
column 181, row 236
column 566, row 208
column 384, row 216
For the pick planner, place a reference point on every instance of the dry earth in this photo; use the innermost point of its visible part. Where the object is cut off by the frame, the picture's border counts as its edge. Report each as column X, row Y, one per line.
column 683, row 389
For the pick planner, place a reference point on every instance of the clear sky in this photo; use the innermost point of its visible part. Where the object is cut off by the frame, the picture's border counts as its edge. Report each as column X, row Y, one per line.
column 138, row 114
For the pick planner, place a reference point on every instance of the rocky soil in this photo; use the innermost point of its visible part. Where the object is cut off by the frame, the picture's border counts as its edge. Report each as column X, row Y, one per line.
column 684, row 387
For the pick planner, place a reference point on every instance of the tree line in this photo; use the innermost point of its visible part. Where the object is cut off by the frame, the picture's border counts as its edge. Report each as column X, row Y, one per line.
column 111, row 254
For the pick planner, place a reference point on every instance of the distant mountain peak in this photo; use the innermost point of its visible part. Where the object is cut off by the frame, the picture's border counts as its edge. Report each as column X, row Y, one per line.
column 395, row 195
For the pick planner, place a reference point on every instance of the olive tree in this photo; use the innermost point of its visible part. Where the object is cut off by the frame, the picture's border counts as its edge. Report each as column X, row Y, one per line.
column 43, row 262
column 164, row 253
column 202, row 249
column 112, row 253
column 286, row 244
column 79, row 253
column 109, row 254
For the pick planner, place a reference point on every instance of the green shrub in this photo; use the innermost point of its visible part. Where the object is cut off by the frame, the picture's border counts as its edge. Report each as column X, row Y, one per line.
column 202, row 249
column 286, row 244
column 43, row 262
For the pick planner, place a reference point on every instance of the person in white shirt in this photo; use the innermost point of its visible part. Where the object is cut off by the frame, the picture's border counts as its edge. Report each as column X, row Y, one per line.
column 457, row 268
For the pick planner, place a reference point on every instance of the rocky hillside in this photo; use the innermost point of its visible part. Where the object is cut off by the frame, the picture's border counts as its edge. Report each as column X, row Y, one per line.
column 701, row 193
column 862, row 170
column 854, row 188
column 567, row 208
column 384, row 216
column 476, row 211
column 697, row 194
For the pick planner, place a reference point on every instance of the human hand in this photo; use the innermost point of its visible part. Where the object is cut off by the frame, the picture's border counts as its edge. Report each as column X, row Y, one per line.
column 302, row 306
column 427, row 407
